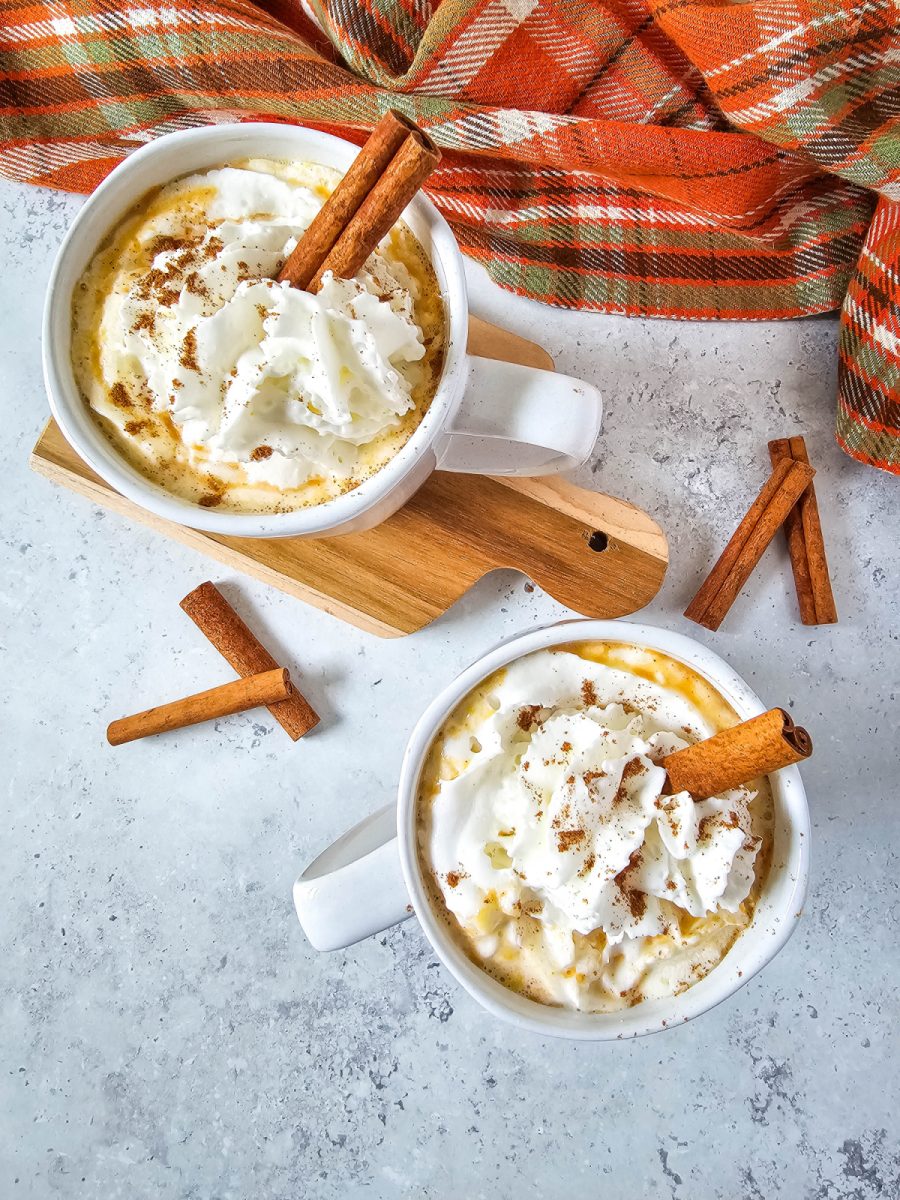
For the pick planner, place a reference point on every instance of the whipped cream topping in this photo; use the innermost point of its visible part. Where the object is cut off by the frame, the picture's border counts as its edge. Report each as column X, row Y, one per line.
column 284, row 385
column 551, row 804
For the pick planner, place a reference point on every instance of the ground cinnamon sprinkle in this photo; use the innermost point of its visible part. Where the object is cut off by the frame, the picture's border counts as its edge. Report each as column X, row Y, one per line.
column 185, row 246
column 135, row 427
column 196, row 286
column 588, row 866
column 527, row 716
column 588, row 695
column 118, row 393
column 145, row 321
column 566, row 747
column 260, row 453
column 567, row 838
column 455, row 877
column 706, row 826
column 563, row 815
column 163, row 244
column 215, row 495
column 189, row 351
column 633, row 897
column 633, row 768
column 159, row 286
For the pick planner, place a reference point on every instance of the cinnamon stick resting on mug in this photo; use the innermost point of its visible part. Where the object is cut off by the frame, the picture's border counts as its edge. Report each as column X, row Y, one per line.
column 385, row 175
column 735, row 756
column 269, row 687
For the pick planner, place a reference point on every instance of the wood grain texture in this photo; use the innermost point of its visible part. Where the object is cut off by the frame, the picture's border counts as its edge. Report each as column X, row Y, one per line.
column 398, row 577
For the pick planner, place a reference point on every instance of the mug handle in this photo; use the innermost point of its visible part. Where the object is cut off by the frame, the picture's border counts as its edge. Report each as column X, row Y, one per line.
column 354, row 888
column 517, row 420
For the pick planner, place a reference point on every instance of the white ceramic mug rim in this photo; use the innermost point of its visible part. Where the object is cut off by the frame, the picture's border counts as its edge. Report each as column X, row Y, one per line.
column 70, row 411
column 755, row 947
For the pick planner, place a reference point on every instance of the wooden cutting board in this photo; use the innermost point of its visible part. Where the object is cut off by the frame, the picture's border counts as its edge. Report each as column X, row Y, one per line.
column 598, row 555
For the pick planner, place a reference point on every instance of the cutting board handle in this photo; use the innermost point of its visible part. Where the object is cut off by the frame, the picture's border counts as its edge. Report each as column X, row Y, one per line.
column 516, row 420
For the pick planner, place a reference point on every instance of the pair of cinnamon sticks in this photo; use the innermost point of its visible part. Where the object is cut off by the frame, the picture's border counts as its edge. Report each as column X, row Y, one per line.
column 385, row 175
column 262, row 682
column 787, row 499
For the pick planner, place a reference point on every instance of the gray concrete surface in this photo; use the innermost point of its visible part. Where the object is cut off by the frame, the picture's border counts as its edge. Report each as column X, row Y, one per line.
column 166, row 1030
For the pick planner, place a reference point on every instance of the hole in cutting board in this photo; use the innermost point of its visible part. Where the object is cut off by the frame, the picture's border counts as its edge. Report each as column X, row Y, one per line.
column 598, row 541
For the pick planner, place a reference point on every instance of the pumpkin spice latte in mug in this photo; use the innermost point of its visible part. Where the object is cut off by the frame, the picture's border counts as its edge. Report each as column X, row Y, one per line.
column 195, row 372
column 540, row 842
column 233, row 390
column 550, row 849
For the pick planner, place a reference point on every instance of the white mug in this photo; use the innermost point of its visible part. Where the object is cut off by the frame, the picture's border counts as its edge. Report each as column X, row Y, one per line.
column 486, row 417
column 370, row 878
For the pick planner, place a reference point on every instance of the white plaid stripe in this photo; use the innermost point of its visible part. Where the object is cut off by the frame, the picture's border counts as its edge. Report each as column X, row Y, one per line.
column 839, row 13
column 799, row 93
column 472, row 49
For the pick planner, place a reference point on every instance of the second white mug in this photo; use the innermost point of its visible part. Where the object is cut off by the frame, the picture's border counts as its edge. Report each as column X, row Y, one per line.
column 371, row 877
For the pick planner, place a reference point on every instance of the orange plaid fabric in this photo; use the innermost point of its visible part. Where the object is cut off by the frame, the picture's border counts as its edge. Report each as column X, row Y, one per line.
column 661, row 157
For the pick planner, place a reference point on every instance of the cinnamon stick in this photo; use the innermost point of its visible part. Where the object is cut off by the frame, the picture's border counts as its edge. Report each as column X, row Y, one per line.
column 269, row 687
column 806, row 546
column 735, row 756
column 382, row 208
column 332, row 219
column 217, row 620
column 779, row 494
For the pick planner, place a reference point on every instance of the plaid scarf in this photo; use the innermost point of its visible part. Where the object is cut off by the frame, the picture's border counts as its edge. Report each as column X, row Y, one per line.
column 668, row 158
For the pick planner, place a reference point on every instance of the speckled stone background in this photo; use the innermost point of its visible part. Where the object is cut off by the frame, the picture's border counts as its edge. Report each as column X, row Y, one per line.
column 166, row 1030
